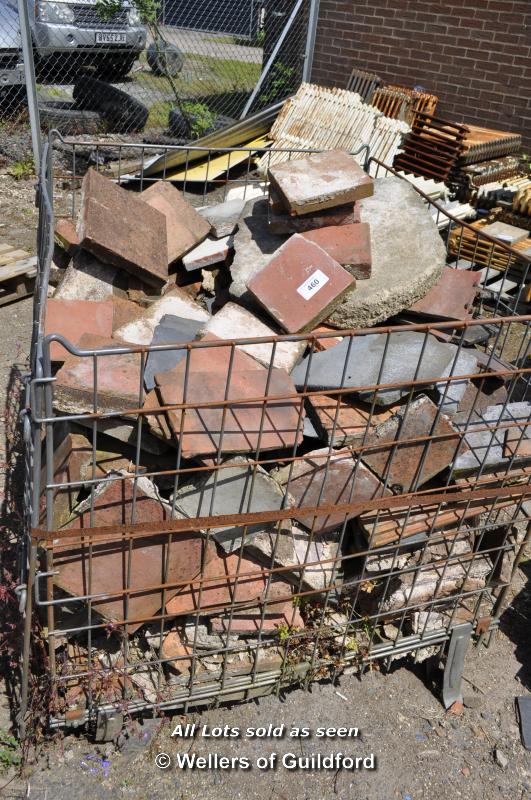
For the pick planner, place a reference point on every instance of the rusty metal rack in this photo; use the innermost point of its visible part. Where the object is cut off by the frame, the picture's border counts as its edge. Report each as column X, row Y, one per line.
column 349, row 572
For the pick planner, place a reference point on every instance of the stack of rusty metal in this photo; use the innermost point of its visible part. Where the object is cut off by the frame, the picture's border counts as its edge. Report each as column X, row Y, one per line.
column 399, row 102
column 488, row 155
column 432, row 149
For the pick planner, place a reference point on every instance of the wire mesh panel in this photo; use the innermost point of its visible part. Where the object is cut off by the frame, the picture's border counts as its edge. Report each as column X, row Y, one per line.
column 12, row 83
column 272, row 520
column 169, row 69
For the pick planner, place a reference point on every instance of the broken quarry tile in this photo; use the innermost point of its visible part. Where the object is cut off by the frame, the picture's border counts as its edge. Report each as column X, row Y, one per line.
column 170, row 330
column 126, row 432
column 234, row 322
column 234, row 420
column 300, row 285
column 121, row 229
column 328, row 477
column 104, row 568
column 176, row 302
column 72, row 318
column 177, row 653
column 325, row 342
column 210, row 253
column 407, row 254
column 356, row 363
column 346, row 425
column 452, row 297
column 349, row 245
column 399, row 459
column 283, row 223
column 185, row 228
column 237, row 487
column 66, row 234
column 223, row 217
column 74, row 462
column 254, row 244
column 485, row 435
column 87, row 278
column 321, row 180
column 118, row 379
column 518, row 442
column 220, row 586
column 124, row 311
column 247, row 622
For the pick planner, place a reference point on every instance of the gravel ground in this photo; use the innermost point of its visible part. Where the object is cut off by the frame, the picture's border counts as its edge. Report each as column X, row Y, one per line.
column 421, row 752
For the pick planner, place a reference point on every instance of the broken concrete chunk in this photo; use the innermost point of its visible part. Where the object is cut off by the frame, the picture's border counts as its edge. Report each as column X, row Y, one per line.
column 348, row 214
column 223, row 217
column 119, row 564
column 239, row 423
column 176, row 302
column 486, row 447
column 236, row 488
column 185, row 228
column 235, row 322
column 117, row 379
column 218, row 585
column 120, row 229
column 170, row 330
column 210, row 253
column 86, row 278
column 341, row 421
column 404, row 456
column 349, row 245
column 407, row 254
column 318, row 181
column 326, row 478
column 254, row 244
column 300, row 285
column 72, row 318
column 356, row 362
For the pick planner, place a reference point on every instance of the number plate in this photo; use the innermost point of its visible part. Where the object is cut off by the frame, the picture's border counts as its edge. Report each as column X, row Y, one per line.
column 312, row 285
column 110, row 38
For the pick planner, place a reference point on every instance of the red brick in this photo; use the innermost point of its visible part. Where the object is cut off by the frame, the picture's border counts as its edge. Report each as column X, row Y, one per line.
column 349, row 245
column 301, row 285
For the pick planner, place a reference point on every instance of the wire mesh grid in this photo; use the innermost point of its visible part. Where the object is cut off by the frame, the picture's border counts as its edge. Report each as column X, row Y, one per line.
column 248, row 555
column 172, row 68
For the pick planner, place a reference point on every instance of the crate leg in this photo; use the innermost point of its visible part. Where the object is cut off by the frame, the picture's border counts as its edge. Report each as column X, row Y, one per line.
column 453, row 671
column 108, row 725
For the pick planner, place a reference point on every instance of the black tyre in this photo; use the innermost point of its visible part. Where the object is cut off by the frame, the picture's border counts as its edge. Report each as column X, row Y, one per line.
column 165, row 59
column 66, row 117
column 121, row 112
column 115, row 68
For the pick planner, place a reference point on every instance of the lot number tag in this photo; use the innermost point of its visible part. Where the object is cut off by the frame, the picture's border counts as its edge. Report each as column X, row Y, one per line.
column 312, row 284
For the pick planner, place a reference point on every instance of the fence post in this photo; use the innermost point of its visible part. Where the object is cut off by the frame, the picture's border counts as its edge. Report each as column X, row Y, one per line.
column 31, row 88
column 310, row 41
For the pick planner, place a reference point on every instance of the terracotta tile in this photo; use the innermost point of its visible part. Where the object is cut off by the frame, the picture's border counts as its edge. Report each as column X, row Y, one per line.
column 351, row 421
column 301, row 285
column 66, row 234
column 452, row 297
column 517, row 442
column 251, row 621
column 322, row 180
column 185, row 228
column 120, row 229
column 282, row 222
column 349, row 245
column 73, row 318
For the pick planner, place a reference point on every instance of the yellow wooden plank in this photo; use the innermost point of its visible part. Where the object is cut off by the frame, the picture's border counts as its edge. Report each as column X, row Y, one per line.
column 211, row 169
column 5, row 248
column 13, row 255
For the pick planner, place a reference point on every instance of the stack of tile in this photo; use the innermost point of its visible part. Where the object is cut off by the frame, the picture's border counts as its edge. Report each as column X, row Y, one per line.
column 399, row 102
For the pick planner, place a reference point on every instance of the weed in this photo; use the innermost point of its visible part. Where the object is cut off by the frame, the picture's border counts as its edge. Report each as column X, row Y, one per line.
column 9, row 752
column 201, row 117
column 22, row 170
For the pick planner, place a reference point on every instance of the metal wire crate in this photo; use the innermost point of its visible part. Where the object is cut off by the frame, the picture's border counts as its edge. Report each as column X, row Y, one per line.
column 160, row 593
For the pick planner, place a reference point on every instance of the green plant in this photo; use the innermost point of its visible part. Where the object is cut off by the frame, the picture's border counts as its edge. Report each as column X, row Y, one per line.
column 280, row 83
column 22, row 170
column 200, row 117
column 9, row 752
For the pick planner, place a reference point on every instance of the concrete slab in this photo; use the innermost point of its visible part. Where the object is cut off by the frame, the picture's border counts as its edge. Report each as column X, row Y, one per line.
column 87, row 278
column 176, row 302
column 318, row 181
column 223, row 217
column 238, row 488
column 120, row 229
column 300, row 285
column 358, row 363
column 408, row 255
column 234, row 322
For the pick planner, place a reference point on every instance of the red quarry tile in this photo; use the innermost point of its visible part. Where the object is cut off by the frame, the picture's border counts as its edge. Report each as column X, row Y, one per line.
column 349, row 214
column 349, row 245
column 185, row 228
column 301, row 285
column 73, row 318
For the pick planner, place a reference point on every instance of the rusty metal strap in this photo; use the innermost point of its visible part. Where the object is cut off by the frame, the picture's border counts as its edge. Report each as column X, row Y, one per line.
column 404, row 501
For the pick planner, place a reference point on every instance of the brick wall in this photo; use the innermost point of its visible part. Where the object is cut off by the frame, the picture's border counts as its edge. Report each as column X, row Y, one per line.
column 474, row 54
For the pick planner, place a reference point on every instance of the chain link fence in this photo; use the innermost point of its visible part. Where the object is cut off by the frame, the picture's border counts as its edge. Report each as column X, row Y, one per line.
column 151, row 70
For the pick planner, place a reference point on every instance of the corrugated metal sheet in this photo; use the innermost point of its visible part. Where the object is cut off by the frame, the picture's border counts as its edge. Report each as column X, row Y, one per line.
column 317, row 118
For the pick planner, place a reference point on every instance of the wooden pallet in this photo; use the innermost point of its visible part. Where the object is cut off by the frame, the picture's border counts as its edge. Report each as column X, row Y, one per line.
column 18, row 270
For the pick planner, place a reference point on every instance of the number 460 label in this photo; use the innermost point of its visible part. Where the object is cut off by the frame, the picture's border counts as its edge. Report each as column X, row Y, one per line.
column 312, row 284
